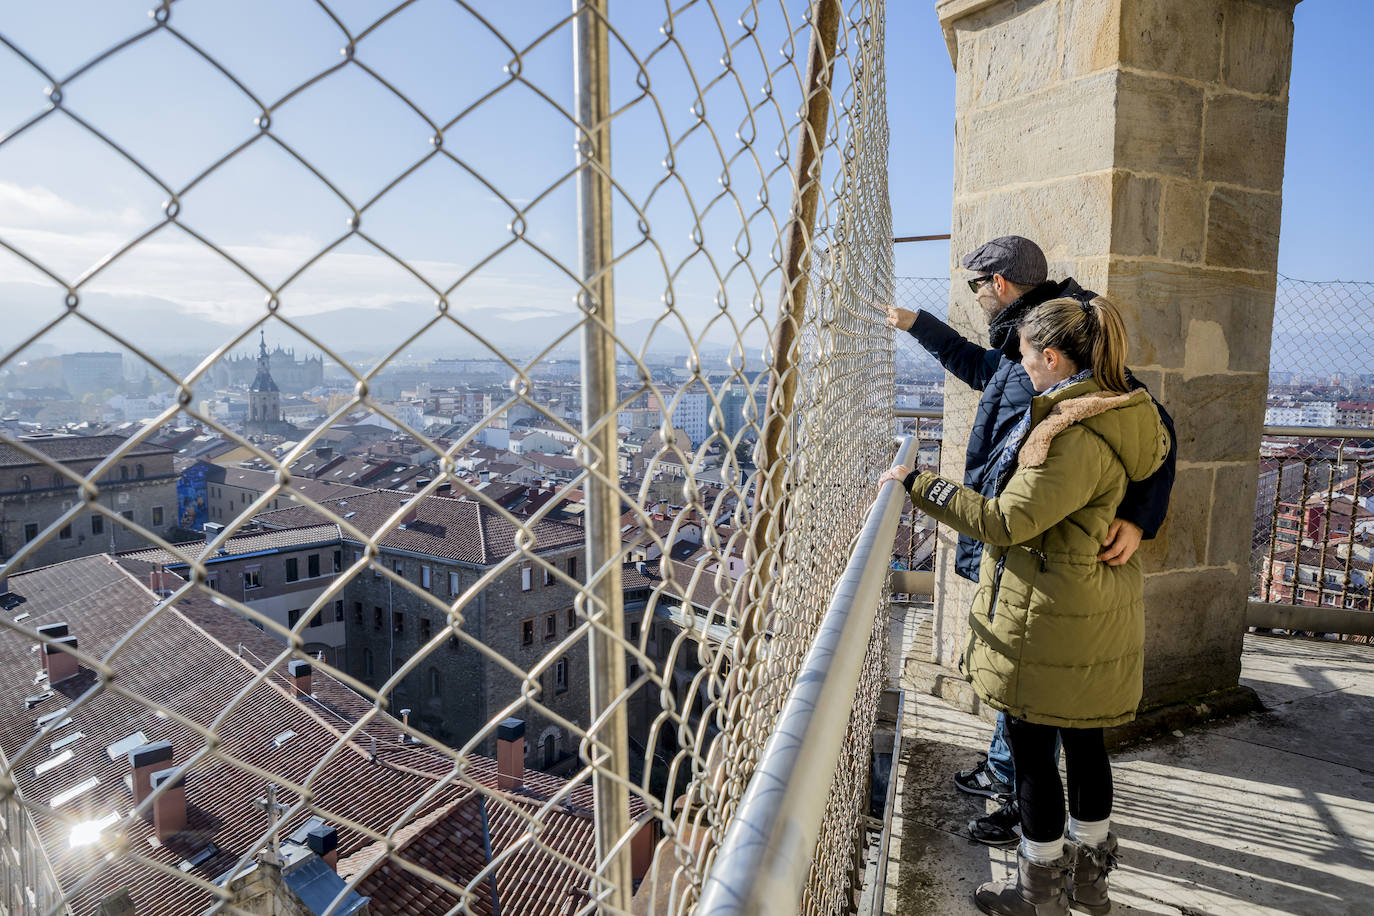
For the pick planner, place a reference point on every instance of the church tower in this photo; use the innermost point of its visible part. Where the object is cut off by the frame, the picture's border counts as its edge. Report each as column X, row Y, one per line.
column 264, row 399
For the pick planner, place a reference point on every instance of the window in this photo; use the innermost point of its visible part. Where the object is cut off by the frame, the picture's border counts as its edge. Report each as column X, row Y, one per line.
column 634, row 631
column 138, row 472
column 338, row 560
column 252, row 577
column 527, row 632
column 157, row 515
column 97, row 524
column 424, row 577
column 424, row 629
column 338, row 611
column 550, row 626
column 212, row 581
column 123, row 472
column 572, row 618
column 127, row 515
column 525, row 578
column 399, row 566
column 436, row 684
column 25, row 483
column 453, row 584
column 398, row 622
column 56, row 481
column 30, row 531
column 367, row 663
column 293, row 617
column 357, row 613
column 316, row 620
column 293, row 571
column 376, row 618
column 312, row 565
column 560, row 675
column 634, row 672
column 66, row 533
column 548, row 577
column 572, row 566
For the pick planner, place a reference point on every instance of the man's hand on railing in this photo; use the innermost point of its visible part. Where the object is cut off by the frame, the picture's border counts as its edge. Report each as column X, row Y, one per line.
column 899, row 318
column 898, row 473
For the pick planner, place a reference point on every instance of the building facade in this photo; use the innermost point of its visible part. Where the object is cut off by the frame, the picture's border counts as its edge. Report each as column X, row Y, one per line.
column 141, row 489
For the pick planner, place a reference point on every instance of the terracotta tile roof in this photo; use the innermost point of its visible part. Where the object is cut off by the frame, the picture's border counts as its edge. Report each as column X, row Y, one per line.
column 72, row 448
column 196, row 660
column 454, row 529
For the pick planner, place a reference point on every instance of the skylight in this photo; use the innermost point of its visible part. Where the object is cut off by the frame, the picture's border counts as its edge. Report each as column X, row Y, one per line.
column 122, row 747
column 70, row 739
column 76, row 791
column 283, row 737
column 52, row 764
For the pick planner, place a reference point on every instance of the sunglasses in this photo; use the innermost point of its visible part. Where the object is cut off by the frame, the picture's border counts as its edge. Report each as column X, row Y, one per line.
column 977, row 282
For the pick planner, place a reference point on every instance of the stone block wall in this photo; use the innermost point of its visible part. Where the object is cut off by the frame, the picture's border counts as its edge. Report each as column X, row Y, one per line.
column 1141, row 143
column 472, row 687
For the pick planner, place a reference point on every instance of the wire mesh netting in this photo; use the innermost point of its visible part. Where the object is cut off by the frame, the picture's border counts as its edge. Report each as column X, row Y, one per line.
column 334, row 572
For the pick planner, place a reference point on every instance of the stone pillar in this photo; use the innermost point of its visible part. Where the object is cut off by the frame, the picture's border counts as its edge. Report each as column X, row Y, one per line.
column 1141, row 143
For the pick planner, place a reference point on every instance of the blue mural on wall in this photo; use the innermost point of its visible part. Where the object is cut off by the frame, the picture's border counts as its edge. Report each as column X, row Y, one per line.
column 191, row 497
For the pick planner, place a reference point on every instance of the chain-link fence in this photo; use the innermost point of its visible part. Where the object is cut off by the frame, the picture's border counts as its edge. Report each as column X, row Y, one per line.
column 476, row 585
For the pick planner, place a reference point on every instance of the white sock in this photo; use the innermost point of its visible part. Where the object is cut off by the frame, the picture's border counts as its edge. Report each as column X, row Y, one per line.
column 1089, row 833
column 1042, row 853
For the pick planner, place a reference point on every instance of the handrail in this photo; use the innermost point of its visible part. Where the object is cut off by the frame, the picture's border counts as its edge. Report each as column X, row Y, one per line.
column 765, row 858
column 1320, row 432
column 919, row 413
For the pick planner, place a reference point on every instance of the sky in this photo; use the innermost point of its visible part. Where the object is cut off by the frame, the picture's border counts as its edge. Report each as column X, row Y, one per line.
column 250, row 224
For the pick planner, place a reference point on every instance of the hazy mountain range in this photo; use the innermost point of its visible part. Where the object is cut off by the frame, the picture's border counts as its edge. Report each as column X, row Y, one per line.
column 163, row 327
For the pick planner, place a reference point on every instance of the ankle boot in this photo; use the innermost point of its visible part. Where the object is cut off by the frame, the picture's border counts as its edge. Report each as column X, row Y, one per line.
column 1088, row 889
column 1038, row 890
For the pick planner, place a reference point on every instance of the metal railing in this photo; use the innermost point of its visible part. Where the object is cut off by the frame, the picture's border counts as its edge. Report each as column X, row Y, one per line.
column 763, row 865
column 1310, row 558
column 702, row 197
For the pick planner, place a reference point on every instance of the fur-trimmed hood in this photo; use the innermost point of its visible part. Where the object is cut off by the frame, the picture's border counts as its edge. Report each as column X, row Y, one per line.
column 1128, row 423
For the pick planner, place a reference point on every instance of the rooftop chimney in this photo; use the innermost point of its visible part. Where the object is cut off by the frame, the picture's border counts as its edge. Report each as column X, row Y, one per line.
column 146, row 760
column 510, row 754
column 162, row 583
column 324, row 842
column 324, row 451
column 59, row 660
column 169, row 811
column 51, row 631
column 484, row 476
column 444, row 489
column 299, row 672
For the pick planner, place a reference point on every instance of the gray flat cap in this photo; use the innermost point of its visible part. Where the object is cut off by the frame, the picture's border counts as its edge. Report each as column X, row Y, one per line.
column 1018, row 259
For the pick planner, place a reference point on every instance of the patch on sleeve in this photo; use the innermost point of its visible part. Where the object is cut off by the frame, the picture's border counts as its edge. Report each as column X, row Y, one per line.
column 940, row 493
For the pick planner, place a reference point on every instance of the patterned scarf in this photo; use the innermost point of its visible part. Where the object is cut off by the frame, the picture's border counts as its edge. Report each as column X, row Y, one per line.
column 1012, row 444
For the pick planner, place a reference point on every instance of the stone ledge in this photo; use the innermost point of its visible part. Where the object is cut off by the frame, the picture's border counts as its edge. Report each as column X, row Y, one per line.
column 949, row 685
column 1170, row 717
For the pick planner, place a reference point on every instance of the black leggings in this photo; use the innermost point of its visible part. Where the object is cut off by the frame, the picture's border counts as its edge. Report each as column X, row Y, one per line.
column 1038, row 788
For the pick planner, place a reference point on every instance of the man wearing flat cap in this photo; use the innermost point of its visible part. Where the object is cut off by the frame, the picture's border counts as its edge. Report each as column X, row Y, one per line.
column 1008, row 277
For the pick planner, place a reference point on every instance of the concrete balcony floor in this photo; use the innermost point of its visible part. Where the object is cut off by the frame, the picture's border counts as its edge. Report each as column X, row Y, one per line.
column 1267, row 813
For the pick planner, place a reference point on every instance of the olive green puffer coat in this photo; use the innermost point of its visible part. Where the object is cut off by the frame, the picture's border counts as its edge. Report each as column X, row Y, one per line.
column 1056, row 636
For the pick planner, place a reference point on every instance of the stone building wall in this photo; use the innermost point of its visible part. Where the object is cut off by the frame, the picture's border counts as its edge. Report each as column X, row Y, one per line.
column 141, row 489
column 473, row 688
column 1141, row 143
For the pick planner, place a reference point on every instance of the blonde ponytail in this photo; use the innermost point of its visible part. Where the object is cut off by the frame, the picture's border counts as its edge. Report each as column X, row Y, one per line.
column 1091, row 334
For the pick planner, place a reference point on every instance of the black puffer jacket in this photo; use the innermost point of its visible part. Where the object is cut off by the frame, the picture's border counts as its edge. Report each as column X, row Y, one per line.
column 1007, row 393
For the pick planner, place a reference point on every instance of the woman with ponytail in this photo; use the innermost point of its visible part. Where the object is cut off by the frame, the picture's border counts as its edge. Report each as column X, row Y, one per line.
column 1055, row 636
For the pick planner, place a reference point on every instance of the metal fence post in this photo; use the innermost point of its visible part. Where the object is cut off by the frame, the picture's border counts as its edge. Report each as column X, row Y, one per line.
column 782, row 382
column 606, row 657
